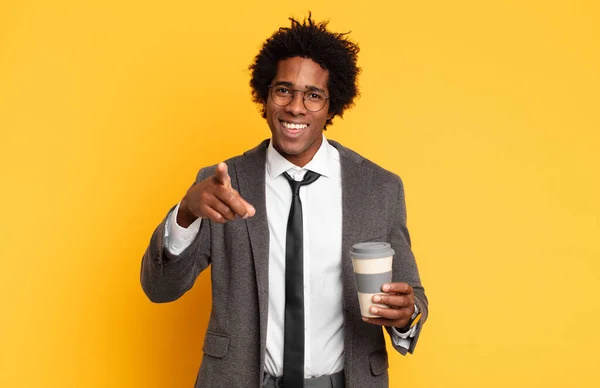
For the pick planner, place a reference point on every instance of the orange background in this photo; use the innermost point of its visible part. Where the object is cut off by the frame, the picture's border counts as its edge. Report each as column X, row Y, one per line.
column 488, row 110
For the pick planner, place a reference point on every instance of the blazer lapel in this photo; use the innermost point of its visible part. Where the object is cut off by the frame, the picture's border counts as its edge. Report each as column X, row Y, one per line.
column 356, row 186
column 250, row 173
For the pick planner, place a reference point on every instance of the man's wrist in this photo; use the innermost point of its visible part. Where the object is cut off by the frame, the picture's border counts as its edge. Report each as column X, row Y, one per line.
column 405, row 328
column 184, row 217
column 414, row 319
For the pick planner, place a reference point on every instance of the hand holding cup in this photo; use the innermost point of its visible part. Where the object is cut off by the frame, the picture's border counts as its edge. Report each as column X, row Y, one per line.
column 381, row 301
column 399, row 305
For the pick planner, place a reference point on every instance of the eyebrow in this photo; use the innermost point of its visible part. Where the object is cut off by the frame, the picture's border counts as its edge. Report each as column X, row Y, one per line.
column 308, row 87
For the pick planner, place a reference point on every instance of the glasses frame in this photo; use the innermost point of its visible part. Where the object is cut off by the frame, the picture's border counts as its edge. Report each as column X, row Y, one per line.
column 294, row 95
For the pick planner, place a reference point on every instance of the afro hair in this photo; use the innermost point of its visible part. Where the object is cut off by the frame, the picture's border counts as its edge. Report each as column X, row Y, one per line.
column 309, row 39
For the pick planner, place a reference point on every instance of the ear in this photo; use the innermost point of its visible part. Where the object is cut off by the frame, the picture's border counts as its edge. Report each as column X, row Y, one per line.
column 330, row 115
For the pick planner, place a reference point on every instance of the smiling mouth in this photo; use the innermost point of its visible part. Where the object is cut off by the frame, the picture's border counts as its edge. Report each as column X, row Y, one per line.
column 293, row 126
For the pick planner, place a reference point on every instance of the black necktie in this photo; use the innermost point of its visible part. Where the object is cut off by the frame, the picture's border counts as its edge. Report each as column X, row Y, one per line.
column 293, row 347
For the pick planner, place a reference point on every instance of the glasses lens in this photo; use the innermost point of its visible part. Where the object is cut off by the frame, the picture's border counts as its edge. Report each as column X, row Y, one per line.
column 314, row 101
column 281, row 95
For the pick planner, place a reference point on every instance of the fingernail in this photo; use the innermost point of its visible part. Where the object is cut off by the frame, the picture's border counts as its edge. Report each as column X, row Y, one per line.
column 374, row 310
column 365, row 319
column 386, row 287
column 377, row 298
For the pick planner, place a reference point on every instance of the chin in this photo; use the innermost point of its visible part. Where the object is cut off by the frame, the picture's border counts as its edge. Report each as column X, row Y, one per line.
column 289, row 149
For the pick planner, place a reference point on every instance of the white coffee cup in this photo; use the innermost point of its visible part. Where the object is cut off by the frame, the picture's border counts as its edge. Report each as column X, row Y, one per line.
column 372, row 263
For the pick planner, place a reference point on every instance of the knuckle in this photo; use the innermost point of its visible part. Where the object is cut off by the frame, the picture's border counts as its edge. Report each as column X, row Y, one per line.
column 396, row 301
column 204, row 196
column 231, row 196
column 221, row 209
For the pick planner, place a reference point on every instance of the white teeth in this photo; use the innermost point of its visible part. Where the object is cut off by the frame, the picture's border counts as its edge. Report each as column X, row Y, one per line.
column 294, row 126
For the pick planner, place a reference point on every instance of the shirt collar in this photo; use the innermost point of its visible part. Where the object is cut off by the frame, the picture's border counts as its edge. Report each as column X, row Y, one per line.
column 321, row 163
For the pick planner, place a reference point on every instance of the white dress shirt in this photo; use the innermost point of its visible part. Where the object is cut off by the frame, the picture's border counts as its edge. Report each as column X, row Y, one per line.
column 322, row 225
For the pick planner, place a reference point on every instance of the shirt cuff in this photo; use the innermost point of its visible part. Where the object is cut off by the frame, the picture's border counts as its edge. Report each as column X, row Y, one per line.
column 178, row 238
column 404, row 339
column 409, row 334
column 401, row 342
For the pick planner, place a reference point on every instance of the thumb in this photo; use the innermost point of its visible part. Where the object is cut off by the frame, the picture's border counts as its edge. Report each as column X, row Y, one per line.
column 249, row 208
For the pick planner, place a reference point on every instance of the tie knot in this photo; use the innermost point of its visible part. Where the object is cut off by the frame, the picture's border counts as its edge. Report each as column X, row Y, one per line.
column 309, row 178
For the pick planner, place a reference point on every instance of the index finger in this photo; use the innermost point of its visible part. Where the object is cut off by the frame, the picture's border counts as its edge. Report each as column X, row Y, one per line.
column 398, row 287
column 222, row 176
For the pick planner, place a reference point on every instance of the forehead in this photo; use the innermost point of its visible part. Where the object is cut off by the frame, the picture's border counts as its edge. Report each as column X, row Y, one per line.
column 301, row 72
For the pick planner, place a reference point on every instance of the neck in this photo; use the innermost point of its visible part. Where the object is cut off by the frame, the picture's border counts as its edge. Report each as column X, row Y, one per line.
column 301, row 159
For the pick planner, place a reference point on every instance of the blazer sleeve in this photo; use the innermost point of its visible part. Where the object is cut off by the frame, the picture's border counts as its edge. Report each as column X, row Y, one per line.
column 166, row 277
column 404, row 268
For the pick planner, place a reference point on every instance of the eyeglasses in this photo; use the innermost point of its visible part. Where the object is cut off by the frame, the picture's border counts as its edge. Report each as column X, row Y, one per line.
column 313, row 100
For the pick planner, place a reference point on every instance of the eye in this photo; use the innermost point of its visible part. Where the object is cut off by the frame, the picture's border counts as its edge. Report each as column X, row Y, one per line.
column 283, row 91
column 314, row 96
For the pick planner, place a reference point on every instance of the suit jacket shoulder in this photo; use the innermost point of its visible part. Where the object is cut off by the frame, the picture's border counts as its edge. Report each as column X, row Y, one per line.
column 353, row 161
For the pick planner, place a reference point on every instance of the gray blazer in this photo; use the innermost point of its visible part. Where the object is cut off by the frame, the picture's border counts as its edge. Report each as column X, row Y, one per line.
column 373, row 209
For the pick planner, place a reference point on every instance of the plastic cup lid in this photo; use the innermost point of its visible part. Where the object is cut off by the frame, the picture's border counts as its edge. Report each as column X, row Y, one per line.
column 371, row 250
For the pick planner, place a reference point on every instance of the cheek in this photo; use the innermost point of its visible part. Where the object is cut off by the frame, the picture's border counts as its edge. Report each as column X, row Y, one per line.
column 323, row 118
column 270, row 111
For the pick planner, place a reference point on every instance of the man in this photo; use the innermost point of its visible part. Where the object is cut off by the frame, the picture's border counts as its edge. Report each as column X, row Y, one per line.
column 285, row 310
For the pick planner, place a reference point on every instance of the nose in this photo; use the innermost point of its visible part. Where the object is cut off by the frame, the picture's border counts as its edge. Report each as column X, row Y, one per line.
column 296, row 106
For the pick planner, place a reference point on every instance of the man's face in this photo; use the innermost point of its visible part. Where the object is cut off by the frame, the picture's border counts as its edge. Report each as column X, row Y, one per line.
column 297, row 132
